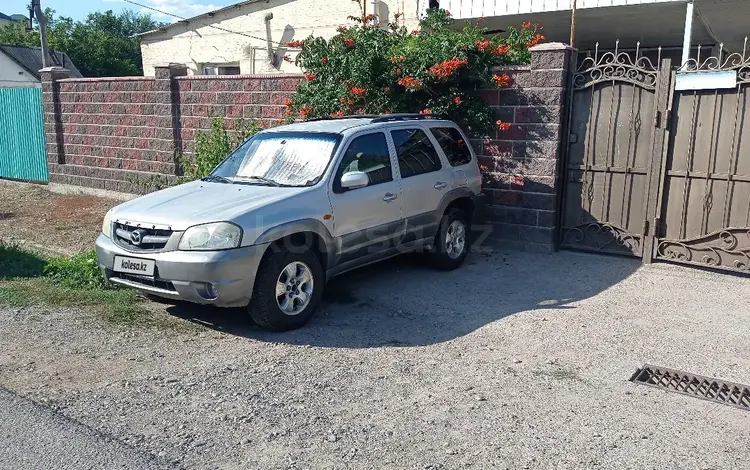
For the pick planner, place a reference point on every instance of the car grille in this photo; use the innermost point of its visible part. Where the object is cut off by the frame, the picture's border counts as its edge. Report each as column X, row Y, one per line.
column 146, row 240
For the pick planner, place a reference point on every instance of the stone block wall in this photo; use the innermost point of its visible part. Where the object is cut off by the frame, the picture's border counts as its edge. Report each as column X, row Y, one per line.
column 521, row 166
column 117, row 133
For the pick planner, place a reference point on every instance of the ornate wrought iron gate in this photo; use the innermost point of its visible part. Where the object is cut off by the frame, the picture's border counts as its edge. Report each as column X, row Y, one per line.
column 704, row 211
column 618, row 106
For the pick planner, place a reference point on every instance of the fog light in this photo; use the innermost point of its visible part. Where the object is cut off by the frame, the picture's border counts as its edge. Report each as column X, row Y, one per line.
column 206, row 290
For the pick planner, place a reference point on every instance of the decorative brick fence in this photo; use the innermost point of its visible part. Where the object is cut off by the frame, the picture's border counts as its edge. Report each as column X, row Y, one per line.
column 111, row 133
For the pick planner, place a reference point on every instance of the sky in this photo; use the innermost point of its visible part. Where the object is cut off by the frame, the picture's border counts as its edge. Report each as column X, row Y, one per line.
column 78, row 9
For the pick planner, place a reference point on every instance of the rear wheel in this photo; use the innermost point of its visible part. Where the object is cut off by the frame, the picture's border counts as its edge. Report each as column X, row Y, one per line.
column 451, row 241
column 287, row 290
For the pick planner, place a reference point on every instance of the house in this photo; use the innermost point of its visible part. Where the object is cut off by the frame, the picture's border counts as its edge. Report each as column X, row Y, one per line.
column 20, row 65
column 249, row 37
column 670, row 24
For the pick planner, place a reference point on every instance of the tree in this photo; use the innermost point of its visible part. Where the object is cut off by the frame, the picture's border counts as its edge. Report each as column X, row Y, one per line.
column 101, row 46
column 437, row 70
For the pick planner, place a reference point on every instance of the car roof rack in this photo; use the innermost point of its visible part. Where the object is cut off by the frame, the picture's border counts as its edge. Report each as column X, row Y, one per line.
column 382, row 117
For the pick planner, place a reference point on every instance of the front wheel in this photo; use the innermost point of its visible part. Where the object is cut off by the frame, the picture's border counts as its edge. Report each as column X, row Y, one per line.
column 451, row 241
column 288, row 289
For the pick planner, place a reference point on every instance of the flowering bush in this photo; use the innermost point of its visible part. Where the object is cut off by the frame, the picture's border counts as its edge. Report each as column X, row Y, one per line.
column 369, row 69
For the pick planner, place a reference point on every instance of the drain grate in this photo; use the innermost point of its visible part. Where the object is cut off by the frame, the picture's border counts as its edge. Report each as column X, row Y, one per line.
column 705, row 388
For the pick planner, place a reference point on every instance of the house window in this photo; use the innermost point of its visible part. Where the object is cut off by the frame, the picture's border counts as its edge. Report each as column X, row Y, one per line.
column 223, row 69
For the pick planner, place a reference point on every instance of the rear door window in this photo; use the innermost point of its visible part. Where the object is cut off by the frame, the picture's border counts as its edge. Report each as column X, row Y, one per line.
column 454, row 146
column 416, row 154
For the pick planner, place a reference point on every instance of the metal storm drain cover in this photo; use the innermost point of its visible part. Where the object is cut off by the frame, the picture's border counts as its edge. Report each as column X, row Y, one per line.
column 705, row 388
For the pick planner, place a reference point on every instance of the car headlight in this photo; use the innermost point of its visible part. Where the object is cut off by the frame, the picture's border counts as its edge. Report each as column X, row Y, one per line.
column 107, row 224
column 215, row 236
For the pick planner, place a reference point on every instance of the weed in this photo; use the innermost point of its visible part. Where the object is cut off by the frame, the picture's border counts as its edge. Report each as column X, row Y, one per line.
column 76, row 272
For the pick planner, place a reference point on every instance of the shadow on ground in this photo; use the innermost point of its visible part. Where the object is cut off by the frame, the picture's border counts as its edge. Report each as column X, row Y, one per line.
column 403, row 303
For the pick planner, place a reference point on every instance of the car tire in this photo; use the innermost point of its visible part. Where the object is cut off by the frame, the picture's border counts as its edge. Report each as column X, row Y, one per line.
column 292, row 307
column 451, row 241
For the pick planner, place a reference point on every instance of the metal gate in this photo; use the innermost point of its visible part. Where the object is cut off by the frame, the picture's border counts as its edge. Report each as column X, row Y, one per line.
column 704, row 211
column 616, row 128
column 22, row 145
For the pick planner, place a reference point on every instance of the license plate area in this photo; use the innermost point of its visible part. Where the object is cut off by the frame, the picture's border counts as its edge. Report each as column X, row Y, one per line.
column 139, row 266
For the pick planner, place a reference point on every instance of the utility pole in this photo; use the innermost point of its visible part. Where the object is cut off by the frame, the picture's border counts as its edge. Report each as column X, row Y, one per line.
column 573, row 24
column 42, row 20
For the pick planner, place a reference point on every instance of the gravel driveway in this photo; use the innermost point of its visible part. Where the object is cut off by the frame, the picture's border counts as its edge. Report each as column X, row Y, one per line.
column 515, row 361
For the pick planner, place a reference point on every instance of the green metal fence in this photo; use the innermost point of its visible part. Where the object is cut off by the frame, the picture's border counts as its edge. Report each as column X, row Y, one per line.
column 22, row 147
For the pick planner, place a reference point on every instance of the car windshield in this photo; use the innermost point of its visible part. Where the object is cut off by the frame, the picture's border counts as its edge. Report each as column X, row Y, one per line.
column 279, row 159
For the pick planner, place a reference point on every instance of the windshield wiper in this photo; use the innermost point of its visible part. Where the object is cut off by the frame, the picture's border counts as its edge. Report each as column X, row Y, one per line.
column 262, row 180
column 218, row 179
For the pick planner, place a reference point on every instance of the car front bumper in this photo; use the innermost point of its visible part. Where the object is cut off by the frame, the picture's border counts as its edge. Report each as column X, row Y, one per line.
column 187, row 275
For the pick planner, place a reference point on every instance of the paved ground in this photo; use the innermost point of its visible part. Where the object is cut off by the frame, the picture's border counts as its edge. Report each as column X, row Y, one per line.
column 36, row 438
column 515, row 361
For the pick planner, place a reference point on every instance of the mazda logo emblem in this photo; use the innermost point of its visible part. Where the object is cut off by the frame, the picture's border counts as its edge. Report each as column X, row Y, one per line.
column 136, row 236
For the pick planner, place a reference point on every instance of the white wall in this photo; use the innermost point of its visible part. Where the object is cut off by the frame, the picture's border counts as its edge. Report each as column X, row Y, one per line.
column 195, row 44
column 12, row 75
column 479, row 8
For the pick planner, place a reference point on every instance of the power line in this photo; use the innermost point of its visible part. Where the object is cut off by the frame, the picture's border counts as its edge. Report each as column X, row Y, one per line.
column 187, row 19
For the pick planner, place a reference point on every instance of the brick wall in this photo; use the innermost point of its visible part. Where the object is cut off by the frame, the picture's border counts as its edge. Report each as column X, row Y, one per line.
column 521, row 165
column 112, row 133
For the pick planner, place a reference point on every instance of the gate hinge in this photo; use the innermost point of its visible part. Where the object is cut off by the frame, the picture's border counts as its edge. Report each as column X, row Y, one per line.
column 657, row 226
column 657, row 120
column 645, row 228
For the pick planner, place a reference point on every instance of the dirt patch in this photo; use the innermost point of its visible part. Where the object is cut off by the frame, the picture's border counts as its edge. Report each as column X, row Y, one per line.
column 34, row 216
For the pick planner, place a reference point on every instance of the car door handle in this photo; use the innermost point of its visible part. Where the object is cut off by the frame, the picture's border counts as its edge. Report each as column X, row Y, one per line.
column 389, row 197
column 440, row 185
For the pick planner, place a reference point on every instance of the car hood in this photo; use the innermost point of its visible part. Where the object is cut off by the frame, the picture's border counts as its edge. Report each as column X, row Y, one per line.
column 199, row 202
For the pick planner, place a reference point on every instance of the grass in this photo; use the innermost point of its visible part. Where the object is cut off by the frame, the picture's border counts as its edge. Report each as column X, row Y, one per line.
column 30, row 279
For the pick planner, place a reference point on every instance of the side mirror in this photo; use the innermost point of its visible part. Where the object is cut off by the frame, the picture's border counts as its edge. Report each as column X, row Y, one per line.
column 354, row 180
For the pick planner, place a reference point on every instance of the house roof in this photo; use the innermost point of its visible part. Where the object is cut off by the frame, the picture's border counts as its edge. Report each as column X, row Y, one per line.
column 30, row 58
column 209, row 14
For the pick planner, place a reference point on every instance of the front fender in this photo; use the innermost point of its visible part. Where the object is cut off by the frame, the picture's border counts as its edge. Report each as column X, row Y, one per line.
column 297, row 226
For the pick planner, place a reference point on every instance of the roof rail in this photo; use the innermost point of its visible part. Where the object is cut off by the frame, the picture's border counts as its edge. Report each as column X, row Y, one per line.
column 382, row 117
column 407, row 117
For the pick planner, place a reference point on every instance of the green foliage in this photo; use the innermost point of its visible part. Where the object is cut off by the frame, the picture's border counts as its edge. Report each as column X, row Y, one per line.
column 100, row 46
column 80, row 271
column 372, row 70
column 212, row 147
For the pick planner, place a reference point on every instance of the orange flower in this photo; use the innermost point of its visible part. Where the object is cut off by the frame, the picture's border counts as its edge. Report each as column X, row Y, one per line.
column 503, row 126
column 387, row 112
column 502, row 49
column 288, row 103
column 310, row 76
column 398, row 15
column 342, row 29
column 447, row 13
column 369, row 18
column 287, row 58
column 304, row 111
column 501, row 81
column 426, row 111
column 482, row 45
column 457, row 100
column 415, row 32
column 294, row 43
column 324, row 60
column 395, row 60
column 481, row 19
column 349, row 42
column 343, row 100
column 527, row 24
column 410, row 83
column 447, row 68
column 358, row 91
column 398, row 71
column 536, row 40
column 337, row 114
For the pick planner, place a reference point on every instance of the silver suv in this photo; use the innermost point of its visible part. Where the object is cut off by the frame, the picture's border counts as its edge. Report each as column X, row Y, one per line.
column 294, row 206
